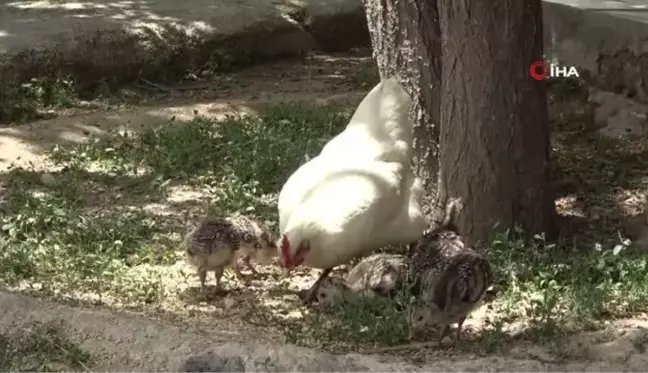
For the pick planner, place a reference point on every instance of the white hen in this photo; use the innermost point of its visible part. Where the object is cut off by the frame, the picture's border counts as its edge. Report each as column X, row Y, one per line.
column 359, row 193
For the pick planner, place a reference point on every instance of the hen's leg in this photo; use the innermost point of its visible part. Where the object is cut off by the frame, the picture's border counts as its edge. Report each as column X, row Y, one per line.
column 411, row 248
column 312, row 292
column 442, row 334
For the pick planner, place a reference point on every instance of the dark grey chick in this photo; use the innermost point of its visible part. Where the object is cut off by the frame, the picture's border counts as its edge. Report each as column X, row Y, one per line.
column 378, row 274
column 375, row 275
column 221, row 242
column 450, row 279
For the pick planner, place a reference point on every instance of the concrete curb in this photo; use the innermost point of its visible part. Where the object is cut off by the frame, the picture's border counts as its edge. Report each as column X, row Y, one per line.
column 605, row 39
column 103, row 51
column 133, row 343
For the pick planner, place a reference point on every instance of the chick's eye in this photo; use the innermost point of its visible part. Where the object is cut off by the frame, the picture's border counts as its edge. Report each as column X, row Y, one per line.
column 322, row 295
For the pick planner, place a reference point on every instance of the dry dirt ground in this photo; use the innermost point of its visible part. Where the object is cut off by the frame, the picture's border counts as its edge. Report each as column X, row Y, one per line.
column 144, row 337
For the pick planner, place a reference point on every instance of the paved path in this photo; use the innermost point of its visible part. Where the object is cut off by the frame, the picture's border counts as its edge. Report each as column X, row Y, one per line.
column 25, row 24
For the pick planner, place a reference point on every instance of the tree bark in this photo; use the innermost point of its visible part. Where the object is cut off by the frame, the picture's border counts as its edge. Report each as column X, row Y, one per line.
column 494, row 136
column 407, row 44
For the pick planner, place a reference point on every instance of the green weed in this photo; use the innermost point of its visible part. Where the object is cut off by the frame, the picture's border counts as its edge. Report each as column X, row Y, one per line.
column 28, row 101
column 553, row 288
column 363, row 322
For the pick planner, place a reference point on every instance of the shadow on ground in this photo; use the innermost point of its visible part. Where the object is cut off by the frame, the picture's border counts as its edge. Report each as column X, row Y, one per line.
column 600, row 179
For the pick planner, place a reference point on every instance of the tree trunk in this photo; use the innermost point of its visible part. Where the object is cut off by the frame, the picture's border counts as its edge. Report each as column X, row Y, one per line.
column 494, row 136
column 476, row 103
column 406, row 43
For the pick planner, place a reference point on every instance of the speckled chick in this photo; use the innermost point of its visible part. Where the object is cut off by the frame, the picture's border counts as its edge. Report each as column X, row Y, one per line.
column 334, row 290
column 219, row 242
column 375, row 275
column 450, row 279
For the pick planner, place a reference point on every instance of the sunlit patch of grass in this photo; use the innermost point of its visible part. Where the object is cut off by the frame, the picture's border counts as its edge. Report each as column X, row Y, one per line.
column 54, row 243
column 262, row 149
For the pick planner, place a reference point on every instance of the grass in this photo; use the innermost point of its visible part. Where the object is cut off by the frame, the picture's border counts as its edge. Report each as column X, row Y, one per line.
column 555, row 290
column 42, row 348
column 366, row 76
column 351, row 326
column 89, row 227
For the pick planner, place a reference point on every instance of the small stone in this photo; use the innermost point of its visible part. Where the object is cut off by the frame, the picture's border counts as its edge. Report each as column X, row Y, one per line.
column 47, row 179
column 228, row 303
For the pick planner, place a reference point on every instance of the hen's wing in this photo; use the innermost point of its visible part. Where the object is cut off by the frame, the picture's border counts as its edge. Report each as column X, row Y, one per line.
column 300, row 184
column 408, row 224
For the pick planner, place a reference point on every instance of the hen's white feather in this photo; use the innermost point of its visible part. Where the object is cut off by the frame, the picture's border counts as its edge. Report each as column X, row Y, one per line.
column 359, row 193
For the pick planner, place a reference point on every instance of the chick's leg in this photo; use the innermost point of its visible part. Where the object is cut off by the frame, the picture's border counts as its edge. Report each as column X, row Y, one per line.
column 246, row 261
column 459, row 325
column 312, row 292
column 219, row 275
column 202, row 275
